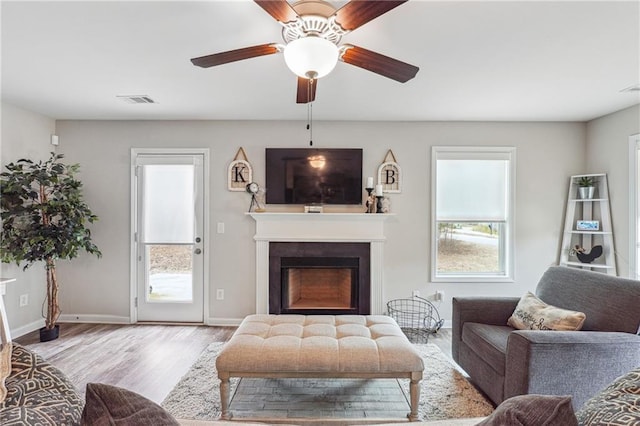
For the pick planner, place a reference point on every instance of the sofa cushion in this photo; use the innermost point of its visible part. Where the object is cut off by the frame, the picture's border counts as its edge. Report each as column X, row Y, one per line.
column 533, row 410
column 38, row 393
column 110, row 405
column 617, row 404
column 534, row 314
column 489, row 342
column 583, row 290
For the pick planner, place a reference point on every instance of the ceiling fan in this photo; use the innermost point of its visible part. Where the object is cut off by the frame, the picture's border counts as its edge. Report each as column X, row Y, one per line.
column 311, row 31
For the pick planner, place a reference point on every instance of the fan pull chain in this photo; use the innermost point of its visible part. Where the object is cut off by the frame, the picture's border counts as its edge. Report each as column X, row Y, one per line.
column 310, row 112
column 310, row 125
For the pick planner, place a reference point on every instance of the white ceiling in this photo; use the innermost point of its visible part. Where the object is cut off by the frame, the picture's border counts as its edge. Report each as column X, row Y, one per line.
column 501, row 60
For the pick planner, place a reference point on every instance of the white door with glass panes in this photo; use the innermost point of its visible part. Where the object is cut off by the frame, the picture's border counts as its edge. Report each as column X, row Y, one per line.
column 634, row 206
column 169, row 237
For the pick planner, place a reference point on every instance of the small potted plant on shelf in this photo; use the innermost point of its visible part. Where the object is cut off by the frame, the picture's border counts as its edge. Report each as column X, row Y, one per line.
column 586, row 187
column 44, row 219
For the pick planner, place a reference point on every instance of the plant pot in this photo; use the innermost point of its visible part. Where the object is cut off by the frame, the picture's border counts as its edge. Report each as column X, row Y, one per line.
column 47, row 335
column 586, row 192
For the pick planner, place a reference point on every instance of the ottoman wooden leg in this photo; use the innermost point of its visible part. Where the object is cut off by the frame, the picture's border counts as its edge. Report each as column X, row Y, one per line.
column 224, row 395
column 414, row 393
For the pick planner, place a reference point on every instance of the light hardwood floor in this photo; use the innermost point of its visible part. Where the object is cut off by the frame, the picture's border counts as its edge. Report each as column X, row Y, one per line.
column 147, row 359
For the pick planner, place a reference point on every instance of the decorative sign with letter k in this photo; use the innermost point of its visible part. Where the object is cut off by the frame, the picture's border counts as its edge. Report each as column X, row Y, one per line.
column 240, row 172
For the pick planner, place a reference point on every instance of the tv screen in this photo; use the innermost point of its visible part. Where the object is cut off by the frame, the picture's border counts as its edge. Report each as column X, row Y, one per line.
column 313, row 176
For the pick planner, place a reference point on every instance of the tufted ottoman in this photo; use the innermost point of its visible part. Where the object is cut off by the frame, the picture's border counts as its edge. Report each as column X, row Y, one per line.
column 319, row 346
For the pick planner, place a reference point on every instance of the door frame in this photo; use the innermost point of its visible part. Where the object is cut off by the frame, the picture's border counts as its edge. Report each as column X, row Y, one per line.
column 133, row 289
column 634, row 206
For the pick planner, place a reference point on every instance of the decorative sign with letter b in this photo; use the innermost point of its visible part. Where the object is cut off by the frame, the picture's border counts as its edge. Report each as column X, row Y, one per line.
column 389, row 174
column 240, row 172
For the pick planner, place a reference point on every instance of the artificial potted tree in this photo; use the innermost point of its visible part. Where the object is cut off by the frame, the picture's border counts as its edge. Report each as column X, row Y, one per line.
column 44, row 219
column 586, row 187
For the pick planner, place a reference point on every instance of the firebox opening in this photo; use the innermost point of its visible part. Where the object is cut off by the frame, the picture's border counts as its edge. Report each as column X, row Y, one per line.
column 319, row 288
column 319, row 278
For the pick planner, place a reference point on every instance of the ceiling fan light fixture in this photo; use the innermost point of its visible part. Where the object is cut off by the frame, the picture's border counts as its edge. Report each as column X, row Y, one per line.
column 311, row 56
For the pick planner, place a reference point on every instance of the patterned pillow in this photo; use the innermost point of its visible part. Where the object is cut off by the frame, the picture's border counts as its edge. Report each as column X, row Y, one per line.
column 532, row 313
column 38, row 393
column 617, row 404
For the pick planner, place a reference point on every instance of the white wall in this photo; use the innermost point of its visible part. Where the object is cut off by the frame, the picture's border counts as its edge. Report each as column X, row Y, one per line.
column 547, row 154
column 608, row 152
column 24, row 135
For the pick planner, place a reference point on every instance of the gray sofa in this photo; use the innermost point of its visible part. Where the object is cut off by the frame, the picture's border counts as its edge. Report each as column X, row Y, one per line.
column 504, row 362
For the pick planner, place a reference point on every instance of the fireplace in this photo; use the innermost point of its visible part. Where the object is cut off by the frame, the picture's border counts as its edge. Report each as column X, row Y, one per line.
column 319, row 278
column 361, row 228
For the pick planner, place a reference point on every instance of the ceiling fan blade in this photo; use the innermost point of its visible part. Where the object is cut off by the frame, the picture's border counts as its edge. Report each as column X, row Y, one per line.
column 358, row 12
column 379, row 64
column 306, row 91
column 280, row 10
column 234, row 55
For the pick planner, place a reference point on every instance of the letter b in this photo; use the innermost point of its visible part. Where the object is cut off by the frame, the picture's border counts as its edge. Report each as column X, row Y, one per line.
column 390, row 177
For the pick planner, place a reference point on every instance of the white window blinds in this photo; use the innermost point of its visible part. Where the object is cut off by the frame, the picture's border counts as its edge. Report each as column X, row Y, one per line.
column 472, row 187
column 168, row 204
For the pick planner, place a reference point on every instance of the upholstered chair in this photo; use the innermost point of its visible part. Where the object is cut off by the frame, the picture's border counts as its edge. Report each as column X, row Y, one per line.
column 503, row 361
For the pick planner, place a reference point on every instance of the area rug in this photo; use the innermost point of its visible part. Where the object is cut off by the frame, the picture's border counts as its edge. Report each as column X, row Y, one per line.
column 445, row 392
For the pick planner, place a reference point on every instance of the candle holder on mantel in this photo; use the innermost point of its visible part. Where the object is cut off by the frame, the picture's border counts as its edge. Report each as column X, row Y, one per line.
column 379, row 203
column 370, row 201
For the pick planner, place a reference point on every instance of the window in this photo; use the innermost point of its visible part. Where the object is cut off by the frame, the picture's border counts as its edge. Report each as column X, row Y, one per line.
column 472, row 202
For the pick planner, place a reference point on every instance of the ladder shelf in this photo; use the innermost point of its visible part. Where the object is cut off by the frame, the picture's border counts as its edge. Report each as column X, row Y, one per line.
column 594, row 217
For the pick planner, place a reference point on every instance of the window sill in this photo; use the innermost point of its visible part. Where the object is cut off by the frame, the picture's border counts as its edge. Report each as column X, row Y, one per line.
column 472, row 279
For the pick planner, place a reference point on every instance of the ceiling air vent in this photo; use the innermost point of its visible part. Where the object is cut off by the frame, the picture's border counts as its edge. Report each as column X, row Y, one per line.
column 136, row 99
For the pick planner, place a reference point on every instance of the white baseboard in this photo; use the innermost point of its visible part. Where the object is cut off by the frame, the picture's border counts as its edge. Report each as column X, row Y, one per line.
column 224, row 321
column 101, row 319
column 113, row 319
column 27, row 328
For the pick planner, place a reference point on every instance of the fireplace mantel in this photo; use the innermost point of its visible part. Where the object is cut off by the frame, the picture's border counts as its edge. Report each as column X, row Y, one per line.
column 331, row 227
column 351, row 227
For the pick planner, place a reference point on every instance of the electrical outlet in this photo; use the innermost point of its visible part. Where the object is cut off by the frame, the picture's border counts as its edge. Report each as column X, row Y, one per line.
column 220, row 294
column 415, row 293
column 440, row 295
column 24, row 300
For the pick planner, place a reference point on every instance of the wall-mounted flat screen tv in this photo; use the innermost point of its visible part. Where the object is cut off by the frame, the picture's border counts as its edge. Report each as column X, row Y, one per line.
column 313, row 176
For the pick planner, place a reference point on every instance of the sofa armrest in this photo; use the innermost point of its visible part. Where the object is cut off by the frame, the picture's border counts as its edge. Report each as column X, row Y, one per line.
column 578, row 363
column 483, row 310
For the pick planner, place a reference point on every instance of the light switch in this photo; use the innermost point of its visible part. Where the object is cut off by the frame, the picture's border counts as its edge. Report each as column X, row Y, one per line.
column 220, row 227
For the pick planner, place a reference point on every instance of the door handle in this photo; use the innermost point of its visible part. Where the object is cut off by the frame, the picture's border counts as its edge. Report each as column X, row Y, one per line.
column 197, row 251
column 198, row 239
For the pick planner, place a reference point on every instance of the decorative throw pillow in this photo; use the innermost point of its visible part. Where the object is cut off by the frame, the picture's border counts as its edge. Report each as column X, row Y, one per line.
column 533, row 410
column 110, row 405
column 617, row 404
column 5, row 367
column 533, row 314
